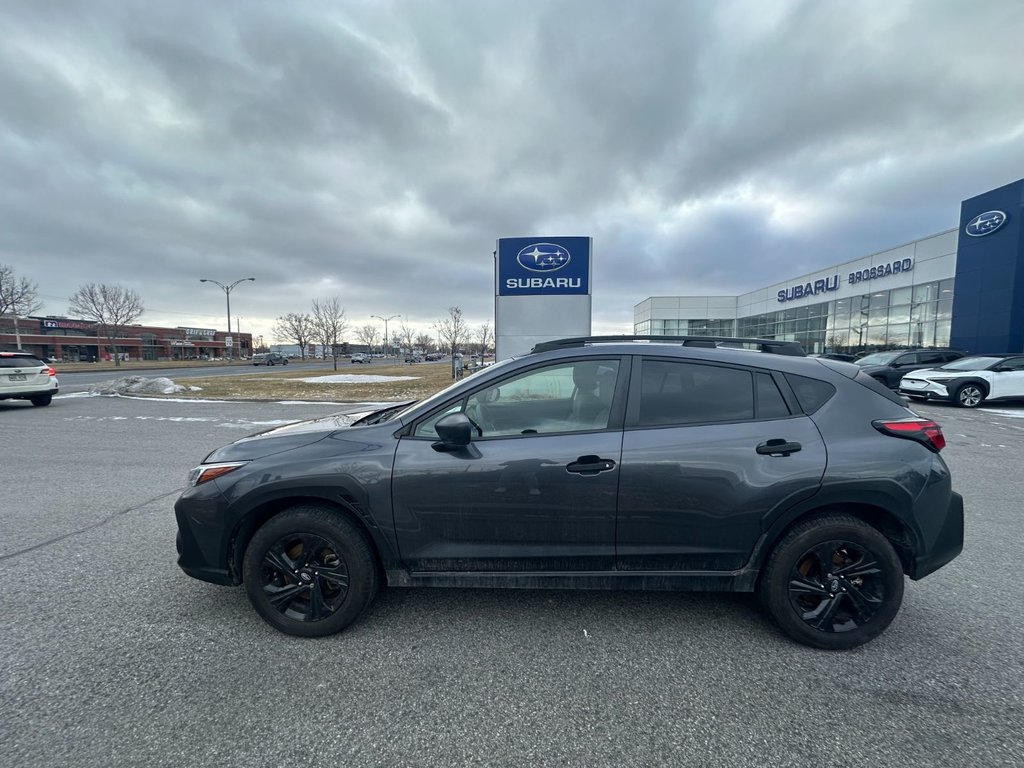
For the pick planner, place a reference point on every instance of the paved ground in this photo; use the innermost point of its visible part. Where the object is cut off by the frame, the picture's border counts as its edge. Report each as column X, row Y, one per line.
column 112, row 657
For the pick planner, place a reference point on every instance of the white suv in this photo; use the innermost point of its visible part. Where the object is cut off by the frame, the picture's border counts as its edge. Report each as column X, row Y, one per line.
column 23, row 376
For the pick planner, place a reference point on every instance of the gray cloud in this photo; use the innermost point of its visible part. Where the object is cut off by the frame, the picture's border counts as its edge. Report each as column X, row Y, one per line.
column 374, row 151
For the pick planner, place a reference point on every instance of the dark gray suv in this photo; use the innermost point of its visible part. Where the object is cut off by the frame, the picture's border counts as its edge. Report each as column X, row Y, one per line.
column 613, row 463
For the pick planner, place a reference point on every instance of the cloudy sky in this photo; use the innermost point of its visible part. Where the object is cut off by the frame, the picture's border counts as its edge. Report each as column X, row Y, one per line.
column 374, row 150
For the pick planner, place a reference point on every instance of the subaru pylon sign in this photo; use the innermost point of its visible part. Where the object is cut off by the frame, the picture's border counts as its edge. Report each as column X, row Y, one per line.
column 550, row 266
column 541, row 291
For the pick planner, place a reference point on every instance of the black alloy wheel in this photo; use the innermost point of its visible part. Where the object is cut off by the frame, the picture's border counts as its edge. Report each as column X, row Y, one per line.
column 833, row 582
column 309, row 571
column 969, row 396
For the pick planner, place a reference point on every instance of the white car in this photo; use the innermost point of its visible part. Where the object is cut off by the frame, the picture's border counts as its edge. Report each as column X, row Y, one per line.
column 23, row 376
column 969, row 381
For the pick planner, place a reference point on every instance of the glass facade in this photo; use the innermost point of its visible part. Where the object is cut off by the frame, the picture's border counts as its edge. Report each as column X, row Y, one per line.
column 914, row 316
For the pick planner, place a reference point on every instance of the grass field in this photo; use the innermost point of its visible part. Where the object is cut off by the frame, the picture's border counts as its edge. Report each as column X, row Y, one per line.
column 283, row 384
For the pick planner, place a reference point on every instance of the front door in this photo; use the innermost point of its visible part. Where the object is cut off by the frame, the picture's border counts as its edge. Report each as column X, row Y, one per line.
column 536, row 488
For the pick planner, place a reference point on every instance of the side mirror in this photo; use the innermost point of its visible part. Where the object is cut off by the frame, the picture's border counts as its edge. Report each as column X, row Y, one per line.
column 455, row 431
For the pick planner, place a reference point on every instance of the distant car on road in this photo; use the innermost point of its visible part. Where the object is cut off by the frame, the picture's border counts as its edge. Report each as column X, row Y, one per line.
column 359, row 357
column 969, row 381
column 269, row 358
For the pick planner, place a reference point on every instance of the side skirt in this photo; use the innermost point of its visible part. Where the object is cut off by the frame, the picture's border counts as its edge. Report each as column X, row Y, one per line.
column 681, row 581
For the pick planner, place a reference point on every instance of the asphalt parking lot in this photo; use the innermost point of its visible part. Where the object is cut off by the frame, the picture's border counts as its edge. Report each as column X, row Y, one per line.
column 113, row 657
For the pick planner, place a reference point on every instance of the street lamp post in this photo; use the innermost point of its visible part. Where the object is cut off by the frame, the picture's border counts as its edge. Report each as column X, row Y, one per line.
column 387, row 340
column 227, row 295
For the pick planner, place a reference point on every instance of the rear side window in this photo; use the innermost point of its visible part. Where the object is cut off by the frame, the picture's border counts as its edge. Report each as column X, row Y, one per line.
column 20, row 362
column 876, row 386
column 686, row 393
column 931, row 358
column 770, row 403
column 812, row 393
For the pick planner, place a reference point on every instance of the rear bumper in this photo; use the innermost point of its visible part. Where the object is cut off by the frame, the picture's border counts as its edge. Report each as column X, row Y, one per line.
column 948, row 541
column 28, row 395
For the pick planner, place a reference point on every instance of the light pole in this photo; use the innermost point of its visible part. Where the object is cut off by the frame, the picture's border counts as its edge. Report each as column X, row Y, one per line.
column 227, row 295
column 387, row 341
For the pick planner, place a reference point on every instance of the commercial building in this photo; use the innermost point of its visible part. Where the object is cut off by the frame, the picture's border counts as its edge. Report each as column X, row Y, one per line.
column 73, row 340
column 963, row 287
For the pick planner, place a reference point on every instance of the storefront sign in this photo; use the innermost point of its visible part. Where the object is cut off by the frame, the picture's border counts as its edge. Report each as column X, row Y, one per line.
column 69, row 325
column 208, row 332
column 810, row 289
column 882, row 270
column 549, row 266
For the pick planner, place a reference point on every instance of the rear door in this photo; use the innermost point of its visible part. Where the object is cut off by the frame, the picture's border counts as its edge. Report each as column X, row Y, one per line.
column 709, row 451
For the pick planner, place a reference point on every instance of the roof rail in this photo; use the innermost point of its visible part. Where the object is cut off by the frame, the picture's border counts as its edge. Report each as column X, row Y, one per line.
column 770, row 346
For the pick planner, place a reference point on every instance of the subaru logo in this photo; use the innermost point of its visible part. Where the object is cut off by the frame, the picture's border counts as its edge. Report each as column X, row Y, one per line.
column 985, row 223
column 543, row 257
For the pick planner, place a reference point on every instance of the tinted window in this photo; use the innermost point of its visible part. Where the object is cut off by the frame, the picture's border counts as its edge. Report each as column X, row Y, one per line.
column 1014, row 364
column 20, row 362
column 811, row 393
column 770, row 404
column 905, row 360
column 686, row 393
column 933, row 357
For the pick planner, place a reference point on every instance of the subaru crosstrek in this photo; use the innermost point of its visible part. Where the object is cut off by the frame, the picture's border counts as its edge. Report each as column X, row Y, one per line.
column 678, row 463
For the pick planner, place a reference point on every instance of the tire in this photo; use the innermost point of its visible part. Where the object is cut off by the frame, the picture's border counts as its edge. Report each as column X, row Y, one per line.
column 833, row 582
column 282, row 580
column 41, row 400
column 969, row 395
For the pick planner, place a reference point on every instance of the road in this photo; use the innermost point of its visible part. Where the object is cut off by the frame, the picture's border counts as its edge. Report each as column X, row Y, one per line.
column 113, row 657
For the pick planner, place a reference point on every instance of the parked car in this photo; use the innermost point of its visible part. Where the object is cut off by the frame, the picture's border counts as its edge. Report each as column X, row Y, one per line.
column 837, row 356
column 969, row 381
column 592, row 463
column 23, row 376
column 269, row 358
column 359, row 357
column 890, row 367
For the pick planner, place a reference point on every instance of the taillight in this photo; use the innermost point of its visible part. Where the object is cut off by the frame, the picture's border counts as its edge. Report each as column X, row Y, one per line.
column 50, row 371
column 924, row 431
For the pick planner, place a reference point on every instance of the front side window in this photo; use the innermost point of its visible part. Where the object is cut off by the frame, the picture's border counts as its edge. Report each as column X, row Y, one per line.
column 566, row 397
column 689, row 393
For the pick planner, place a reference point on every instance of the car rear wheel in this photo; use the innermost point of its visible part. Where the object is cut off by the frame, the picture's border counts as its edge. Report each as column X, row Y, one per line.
column 310, row 571
column 969, row 396
column 40, row 400
column 833, row 582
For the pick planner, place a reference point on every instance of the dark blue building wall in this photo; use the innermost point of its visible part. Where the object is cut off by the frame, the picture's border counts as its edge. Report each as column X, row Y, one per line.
column 988, row 296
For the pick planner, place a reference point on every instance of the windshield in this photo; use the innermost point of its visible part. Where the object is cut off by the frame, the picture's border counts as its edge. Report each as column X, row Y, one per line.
column 970, row 364
column 878, row 358
column 438, row 396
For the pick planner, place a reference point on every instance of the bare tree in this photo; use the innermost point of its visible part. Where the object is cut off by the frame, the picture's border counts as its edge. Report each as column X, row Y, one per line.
column 295, row 327
column 329, row 325
column 484, row 336
column 111, row 307
column 19, row 297
column 453, row 331
column 367, row 335
column 407, row 335
column 424, row 341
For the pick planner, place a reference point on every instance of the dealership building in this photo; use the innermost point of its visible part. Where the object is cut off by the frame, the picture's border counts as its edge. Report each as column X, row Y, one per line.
column 74, row 340
column 963, row 287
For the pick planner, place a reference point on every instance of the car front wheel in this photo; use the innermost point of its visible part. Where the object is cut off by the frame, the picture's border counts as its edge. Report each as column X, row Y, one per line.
column 833, row 582
column 969, row 396
column 310, row 571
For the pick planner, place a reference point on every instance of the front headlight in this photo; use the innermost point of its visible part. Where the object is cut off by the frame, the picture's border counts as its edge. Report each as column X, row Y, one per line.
column 206, row 472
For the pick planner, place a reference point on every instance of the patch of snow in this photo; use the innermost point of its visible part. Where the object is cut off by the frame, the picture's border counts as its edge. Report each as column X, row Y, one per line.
column 137, row 385
column 345, row 378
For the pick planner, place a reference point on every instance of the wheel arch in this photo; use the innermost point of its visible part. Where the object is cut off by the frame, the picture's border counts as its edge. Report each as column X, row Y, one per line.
column 260, row 514
column 877, row 516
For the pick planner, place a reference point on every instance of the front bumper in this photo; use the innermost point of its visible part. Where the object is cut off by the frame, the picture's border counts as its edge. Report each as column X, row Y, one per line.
column 929, row 390
column 203, row 536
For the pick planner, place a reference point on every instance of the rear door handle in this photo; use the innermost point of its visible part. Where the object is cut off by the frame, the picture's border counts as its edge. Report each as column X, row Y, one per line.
column 590, row 465
column 778, row 447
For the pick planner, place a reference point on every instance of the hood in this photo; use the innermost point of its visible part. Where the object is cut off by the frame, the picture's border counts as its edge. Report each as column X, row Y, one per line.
column 291, row 436
column 932, row 372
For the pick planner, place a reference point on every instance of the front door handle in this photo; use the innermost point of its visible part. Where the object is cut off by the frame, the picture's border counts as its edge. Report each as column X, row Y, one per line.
column 590, row 465
column 778, row 447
